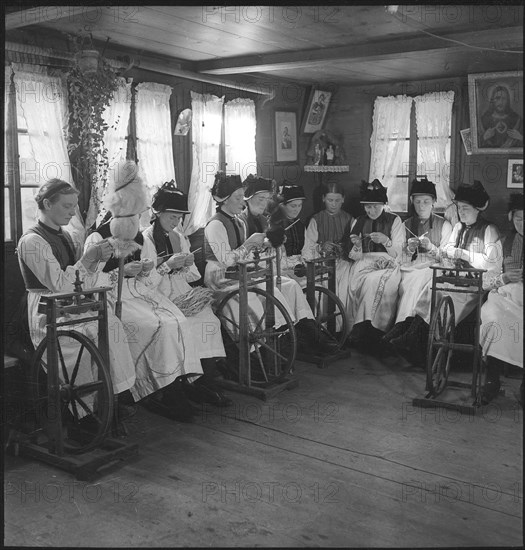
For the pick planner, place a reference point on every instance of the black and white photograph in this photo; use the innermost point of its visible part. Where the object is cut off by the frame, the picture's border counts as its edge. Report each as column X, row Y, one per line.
column 263, row 275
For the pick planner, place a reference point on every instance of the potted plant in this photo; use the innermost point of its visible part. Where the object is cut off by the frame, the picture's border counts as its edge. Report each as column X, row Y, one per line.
column 90, row 92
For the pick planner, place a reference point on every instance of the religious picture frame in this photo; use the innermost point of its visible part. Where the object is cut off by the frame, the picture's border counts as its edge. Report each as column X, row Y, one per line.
column 496, row 112
column 315, row 114
column 466, row 136
column 515, row 174
column 285, row 137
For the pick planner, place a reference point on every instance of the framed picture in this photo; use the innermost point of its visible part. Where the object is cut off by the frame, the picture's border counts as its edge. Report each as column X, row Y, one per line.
column 466, row 136
column 285, row 137
column 515, row 174
column 496, row 112
column 316, row 110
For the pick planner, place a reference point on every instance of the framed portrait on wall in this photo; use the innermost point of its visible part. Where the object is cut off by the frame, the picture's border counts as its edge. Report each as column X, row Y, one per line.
column 496, row 112
column 316, row 110
column 515, row 174
column 285, row 137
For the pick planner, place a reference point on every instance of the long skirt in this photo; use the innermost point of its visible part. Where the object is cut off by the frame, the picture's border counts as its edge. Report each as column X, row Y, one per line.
column 159, row 338
column 502, row 324
column 205, row 326
column 416, row 279
column 373, row 290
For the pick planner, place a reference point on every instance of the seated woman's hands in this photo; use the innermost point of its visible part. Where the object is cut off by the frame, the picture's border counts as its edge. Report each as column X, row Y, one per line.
column 97, row 252
column 177, row 261
column 512, row 276
column 147, row 266
column 356, row 240
column 254, row 241
column 379, row 238
column 190, row 258
column 412, row 244
column 132, row 269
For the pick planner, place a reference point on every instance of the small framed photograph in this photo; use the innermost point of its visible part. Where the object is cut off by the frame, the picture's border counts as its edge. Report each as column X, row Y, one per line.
column 515, row 174
column 285, row 137
column 466, row 136
column 316, row 110
column 496, row 112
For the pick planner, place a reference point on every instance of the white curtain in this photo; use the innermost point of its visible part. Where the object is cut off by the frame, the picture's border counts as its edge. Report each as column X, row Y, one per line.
column 42, row 101
column 239, row 137
column 434, row 118
column 154, row 145
column 116, row 116
column 390, row 147
column 206, row 135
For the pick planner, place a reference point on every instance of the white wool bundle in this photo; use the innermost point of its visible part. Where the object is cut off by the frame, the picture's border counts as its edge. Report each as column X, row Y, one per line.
column 127, row 199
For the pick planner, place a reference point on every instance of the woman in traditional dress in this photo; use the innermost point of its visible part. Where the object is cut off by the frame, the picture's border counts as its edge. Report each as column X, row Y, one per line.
column 425, row 234
column 474, row 243
column 162, row 240
column 377, row 244
column 328, row 234
column 502, row 313
column 285, row 213
column 49, row 262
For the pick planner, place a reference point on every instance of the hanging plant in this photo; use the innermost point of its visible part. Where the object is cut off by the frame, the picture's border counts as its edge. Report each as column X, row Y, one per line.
column 90, row 92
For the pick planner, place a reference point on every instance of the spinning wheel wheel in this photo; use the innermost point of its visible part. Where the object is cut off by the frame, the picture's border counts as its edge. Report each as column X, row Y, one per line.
column 329, row 316
column 440, row 346
column 271, row 350
column 86, row 409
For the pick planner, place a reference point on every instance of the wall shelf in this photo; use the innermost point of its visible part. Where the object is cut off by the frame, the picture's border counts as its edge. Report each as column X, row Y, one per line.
column 327, row 168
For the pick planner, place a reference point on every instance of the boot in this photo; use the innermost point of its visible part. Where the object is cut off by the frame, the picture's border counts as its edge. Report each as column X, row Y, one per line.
column 309, row 336
column 397, row 330
column 170, row 402
column 492, row 383
column 205, row 389
column 415, row 335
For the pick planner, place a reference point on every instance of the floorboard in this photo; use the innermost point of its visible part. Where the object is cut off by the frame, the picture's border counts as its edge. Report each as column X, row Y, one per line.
column 344, row 459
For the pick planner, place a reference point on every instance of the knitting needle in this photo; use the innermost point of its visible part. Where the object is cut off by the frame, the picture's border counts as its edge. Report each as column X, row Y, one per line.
column 166, row 255
column 292, row 224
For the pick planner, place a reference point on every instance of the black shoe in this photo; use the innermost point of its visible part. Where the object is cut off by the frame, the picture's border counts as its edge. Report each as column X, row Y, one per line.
column 171, row 402
column 489, row 391
column 125, row 412
column 205, row 392
column 395, row 332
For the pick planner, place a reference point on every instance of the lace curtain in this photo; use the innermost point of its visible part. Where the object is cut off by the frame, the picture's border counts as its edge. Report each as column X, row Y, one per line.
column 390, row 146
column 42, row 102
column 434, row 118
column 206, row 135
column 239, row 132
column 116, row 116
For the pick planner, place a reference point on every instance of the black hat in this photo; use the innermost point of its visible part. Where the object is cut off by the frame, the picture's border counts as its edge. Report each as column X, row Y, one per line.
column 292, row 193
column 373, row 192
column 224, row 186
column 168, row 197
column 253, row 185
column 475, row 195
column 515, row 203
column 423, row 187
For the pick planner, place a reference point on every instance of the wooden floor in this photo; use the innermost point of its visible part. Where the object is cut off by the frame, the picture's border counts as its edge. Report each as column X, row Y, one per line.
column 342, row 460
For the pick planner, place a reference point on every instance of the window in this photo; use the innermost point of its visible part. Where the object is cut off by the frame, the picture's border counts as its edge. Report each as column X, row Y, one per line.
column 412, row 138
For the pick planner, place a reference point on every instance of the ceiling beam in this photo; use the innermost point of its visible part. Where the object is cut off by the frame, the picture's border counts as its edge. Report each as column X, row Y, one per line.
column 495, row 39
column 48, row 14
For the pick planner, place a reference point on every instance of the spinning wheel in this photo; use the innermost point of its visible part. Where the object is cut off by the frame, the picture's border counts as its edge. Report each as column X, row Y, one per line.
column 85, row 409
column 439, row 348
column 456, row 279
column 329, row 316
column 273, row 349
column 263, row 353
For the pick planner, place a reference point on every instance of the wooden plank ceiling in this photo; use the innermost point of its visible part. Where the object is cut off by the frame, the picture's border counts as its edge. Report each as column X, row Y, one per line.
column 347, row 45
